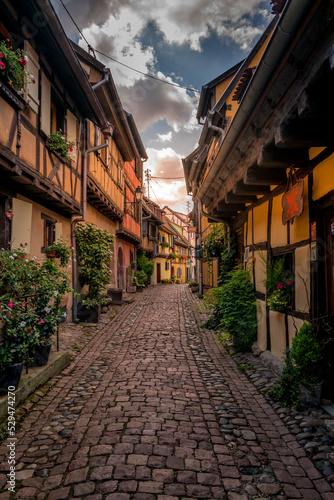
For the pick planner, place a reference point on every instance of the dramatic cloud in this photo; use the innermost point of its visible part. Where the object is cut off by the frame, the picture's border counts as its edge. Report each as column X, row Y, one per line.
column 151, row 102
column 165, row 137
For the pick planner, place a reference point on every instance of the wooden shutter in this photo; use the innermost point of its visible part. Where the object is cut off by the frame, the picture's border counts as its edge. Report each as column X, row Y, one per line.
column 21, row 224
column 71, row 126
column 31, row 90
column 45, row 105
column 58, row 231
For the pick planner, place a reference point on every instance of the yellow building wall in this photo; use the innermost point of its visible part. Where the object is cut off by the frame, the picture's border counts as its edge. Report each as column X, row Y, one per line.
column 302, row 279
column 323, row 178
column 261, row 325
column 277, row 333
column 300, row 229
column 260, row 259
column 165, row 275
column 222, row 86
column 279, row 235
column 260, row 218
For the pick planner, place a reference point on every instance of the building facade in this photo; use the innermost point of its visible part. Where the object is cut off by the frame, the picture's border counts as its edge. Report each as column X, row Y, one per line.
column 264, row 166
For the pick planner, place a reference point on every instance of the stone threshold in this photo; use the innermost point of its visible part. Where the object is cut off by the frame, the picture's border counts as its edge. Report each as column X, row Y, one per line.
column 36, row 377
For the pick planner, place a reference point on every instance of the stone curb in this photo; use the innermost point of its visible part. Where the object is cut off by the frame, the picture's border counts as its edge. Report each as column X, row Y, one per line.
column 35, row 378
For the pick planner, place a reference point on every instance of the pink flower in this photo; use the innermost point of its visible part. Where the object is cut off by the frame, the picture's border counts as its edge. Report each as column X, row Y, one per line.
column 42, row 321
column 1, row 54
column 25, row 303
column 280, row 285
column 2, row 66
column 10, row 304
column 289, row 283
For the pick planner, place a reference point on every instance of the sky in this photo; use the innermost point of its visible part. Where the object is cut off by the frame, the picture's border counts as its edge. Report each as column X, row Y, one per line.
column 186, row 43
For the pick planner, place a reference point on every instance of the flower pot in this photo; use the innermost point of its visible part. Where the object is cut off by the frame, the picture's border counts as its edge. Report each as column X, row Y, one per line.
column 91, row 315
column 194, row 289
column 310, row 395
column 41, row 355
column 10, row 377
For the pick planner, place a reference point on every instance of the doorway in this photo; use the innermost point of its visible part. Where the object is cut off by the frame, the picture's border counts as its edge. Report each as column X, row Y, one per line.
column 158, row 273
column 120, row 269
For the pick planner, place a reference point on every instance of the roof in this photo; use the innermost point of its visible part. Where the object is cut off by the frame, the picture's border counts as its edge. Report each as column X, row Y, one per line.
column 125, row 132
column 52, row 43
column 205, row 98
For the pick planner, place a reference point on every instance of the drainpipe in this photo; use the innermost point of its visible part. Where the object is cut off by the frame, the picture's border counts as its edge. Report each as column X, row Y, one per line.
column 200, row 267
column 82, row 219
column 102, row 82
column 213, row 127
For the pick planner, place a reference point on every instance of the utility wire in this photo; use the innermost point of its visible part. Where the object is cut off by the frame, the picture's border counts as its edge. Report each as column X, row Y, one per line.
column 90, row 48
column 167, row 177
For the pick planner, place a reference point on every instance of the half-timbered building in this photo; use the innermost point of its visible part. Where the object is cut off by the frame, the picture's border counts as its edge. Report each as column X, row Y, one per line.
column 264, row 165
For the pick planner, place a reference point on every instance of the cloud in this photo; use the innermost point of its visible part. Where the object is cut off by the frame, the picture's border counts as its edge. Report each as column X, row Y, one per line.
column 165, row 137
column 151, row 101
column 164, row 163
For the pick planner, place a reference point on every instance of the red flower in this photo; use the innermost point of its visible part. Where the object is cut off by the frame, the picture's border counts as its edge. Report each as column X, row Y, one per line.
column 2, row 66
column 23, row 62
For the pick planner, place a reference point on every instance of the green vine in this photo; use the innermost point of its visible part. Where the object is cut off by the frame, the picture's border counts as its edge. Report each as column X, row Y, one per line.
column 93, row 257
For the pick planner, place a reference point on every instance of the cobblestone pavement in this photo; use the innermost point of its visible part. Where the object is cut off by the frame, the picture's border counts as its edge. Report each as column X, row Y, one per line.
column 152, row 408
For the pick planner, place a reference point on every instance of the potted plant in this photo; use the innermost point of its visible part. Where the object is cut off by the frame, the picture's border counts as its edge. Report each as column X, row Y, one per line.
column 93, row 258
column 11, row 367
column 59, row 144
column 12, row 67
column 194, row 286
column 279, row 285
column 140, row 279
column 165, row 244
column 59, row 250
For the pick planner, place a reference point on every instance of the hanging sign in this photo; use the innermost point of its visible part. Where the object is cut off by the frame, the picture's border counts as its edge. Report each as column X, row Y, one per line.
column 292, row 202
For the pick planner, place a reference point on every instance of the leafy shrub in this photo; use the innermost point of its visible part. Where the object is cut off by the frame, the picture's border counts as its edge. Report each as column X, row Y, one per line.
column 286, row 389
column 144, row 264
column 140, row 278
column 93, row 257
column 235, row 310
column 165, row 244
column 306, row 353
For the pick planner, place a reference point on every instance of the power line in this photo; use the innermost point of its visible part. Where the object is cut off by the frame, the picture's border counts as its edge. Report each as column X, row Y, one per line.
column 90, row 48
column 167, row 177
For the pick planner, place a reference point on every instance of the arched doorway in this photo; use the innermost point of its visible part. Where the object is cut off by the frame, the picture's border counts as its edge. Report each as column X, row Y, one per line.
column 120, row 269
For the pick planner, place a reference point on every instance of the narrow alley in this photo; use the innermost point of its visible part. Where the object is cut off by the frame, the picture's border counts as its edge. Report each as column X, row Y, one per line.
column 139, row 415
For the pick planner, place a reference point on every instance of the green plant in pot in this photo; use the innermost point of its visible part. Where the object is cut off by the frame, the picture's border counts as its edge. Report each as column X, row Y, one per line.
column 59, row 250
column 278, row 284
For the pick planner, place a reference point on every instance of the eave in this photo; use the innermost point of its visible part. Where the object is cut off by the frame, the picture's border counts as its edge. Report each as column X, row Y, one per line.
column 282, row 114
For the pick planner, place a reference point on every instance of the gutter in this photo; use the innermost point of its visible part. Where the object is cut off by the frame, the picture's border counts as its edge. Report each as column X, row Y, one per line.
column 217, row 219
column 82, row 219
column 287, row 26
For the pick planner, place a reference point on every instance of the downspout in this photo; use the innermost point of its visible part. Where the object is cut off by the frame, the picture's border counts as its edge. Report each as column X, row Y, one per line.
column 102, row 82
column 200, row 267
column 216, row 219
column 81, row 219
column 214, row 127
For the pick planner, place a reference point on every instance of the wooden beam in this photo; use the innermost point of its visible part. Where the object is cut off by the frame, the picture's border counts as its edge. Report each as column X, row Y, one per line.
column 305, row 134
column 241, row 188
column 240, row 198
column 233, row 207
column 265, row 177
column 272, row 157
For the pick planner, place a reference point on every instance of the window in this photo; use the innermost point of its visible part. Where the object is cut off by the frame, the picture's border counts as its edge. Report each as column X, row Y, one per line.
column 179, row 272
column 49, row 236
column 166, row 266
column 57, row 112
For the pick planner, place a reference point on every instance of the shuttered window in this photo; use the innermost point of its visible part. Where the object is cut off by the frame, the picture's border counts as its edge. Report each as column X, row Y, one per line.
column 32, row 67
column 45, row 105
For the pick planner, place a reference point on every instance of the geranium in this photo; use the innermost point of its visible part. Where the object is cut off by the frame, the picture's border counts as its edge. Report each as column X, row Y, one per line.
column 59, row 144
column 13, row 66
column 26, row 292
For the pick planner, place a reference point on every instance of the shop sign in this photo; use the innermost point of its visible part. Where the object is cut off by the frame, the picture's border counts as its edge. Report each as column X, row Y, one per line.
column 293, row 203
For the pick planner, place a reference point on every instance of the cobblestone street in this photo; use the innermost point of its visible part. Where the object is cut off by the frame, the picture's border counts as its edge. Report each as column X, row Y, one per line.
column 153, row 408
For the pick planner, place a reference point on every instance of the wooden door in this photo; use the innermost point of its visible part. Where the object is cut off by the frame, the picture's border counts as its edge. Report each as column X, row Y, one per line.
column 158, row 273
